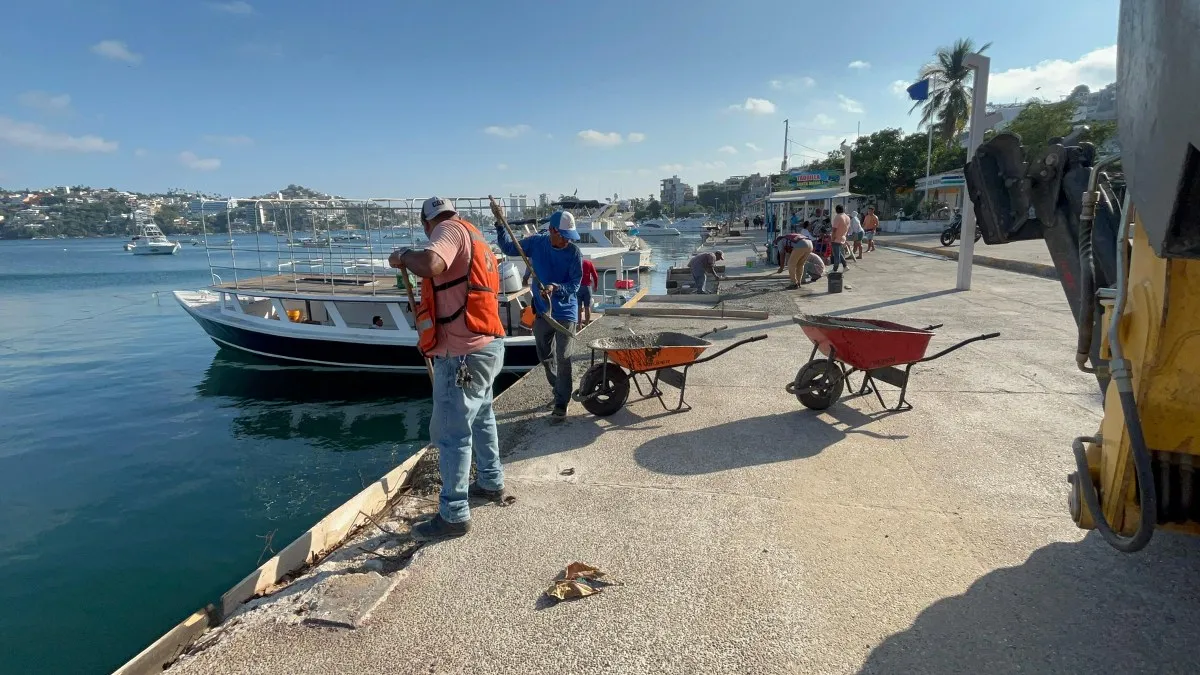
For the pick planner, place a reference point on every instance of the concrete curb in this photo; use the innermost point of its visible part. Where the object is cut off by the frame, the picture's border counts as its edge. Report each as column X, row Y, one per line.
column 326, row 536
column 1020, row 266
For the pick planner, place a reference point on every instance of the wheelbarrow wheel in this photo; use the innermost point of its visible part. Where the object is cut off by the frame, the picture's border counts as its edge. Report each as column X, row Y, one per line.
column 818, row 384
column 604, row 389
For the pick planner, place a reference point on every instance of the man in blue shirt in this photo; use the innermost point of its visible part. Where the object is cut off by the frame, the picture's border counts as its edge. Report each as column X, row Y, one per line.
column 558, row 265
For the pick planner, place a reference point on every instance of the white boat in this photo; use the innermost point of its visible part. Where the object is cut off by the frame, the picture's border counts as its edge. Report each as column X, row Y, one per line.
column 656, row 228
column 151, row 241
column 602, row 238
column 697, row 224
column 321, row 311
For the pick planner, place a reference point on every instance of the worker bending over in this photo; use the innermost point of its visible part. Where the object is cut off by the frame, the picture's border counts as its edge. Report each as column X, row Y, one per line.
column 558, row 265
column 458, row 325
column 702, row 265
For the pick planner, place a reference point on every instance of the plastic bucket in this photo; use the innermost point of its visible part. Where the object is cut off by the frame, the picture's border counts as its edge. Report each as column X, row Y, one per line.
column 835, row 282
column 510, row 278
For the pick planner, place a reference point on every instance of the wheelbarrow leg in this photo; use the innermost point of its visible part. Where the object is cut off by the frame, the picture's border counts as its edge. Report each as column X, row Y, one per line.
column 903, row 404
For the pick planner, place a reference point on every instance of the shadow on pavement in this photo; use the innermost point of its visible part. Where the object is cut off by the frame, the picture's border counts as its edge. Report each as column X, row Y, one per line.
column 750, row 442
column 1070, row 608
column 889, row 303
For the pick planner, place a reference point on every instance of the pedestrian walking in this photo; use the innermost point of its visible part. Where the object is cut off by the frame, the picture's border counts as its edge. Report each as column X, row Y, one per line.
column 841, row 226
column 870, row 227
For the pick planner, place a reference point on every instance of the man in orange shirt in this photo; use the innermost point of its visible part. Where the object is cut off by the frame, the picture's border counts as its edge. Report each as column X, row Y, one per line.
column 870, row 227
column 841, row 225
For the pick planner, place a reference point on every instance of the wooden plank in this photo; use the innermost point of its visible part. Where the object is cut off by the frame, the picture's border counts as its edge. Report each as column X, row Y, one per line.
column 637, row 297
column 326, row 535
column 698, row 312
column 322, row 537
column 166, row 649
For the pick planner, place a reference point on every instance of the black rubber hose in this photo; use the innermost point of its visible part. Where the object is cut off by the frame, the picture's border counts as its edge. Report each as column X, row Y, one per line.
column 1147, row 496
column 1087, row 285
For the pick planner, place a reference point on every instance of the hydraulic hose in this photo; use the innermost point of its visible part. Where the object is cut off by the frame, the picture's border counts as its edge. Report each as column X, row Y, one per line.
column 1087, row 273
column 1122, row 378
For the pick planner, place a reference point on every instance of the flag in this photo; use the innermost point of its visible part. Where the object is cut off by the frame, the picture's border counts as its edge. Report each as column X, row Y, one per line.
column 919, row 91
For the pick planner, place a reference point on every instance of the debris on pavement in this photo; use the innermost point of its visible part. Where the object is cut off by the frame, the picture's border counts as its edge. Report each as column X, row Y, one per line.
column 578, row 580
column 567, row 472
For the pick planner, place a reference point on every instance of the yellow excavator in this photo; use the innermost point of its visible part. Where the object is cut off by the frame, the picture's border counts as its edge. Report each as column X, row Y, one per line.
column 1124, row 233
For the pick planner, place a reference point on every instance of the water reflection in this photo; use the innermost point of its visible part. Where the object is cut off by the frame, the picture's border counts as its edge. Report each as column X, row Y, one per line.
column 333, row 409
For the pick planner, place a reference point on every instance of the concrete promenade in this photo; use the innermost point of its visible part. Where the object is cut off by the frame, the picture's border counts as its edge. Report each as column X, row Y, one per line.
column 755, row 536
column 1028, row 257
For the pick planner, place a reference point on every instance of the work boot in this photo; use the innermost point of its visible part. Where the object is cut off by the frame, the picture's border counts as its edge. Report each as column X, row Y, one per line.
column 477, row 492
column 438, row 528
column 560, row 411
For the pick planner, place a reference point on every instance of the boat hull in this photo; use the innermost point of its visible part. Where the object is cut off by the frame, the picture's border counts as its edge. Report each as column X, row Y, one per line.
column 156, row 250
column 276, row 344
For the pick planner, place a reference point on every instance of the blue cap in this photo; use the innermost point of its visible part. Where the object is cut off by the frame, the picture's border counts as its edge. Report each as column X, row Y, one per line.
column 564, row 223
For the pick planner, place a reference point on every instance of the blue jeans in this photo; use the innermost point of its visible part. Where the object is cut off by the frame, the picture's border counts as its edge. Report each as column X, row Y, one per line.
column 698, row 279
column 837, row 257
column 463, row 425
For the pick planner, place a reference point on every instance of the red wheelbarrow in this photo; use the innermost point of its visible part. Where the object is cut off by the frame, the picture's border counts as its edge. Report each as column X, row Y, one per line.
column 881, row 350
column 604, row 388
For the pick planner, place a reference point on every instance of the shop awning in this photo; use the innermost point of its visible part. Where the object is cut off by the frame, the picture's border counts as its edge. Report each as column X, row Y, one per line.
column 814, row 195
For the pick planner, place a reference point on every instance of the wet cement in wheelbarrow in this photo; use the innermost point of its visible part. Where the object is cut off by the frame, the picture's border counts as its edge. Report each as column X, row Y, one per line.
column 649, row 341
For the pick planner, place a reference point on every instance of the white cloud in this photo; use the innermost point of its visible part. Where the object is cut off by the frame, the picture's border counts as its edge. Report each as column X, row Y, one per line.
column 792, row 83
column 600, row 138
column 694, row 166
column 229, row 140
column 116, row 50
column 232, row 7
column 727, row 149
column 44, row 101
column 899, row 88
column 823, row 144
column 507, row 132
column 501, row 167
column 671, row 168
column 1056, row 78
column 37, row 137
column 755, row 106
column 140, row 152
column 754, row 147
column 192, row 161
column 823, row 120
column 766, row 166
column 859, row 65
column 848, row 104
column 635, row 137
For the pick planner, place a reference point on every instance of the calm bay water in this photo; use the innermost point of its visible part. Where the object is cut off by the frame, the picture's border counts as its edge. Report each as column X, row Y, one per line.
column 141, row 469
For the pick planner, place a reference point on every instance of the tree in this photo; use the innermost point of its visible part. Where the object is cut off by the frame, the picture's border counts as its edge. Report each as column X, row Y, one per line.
column 949, row 104
column 1079, row 94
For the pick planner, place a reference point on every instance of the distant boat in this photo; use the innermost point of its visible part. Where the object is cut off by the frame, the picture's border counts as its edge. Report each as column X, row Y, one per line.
column 151, row 241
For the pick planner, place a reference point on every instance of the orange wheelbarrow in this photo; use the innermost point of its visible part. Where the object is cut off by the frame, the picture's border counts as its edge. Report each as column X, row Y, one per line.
column 604, row 388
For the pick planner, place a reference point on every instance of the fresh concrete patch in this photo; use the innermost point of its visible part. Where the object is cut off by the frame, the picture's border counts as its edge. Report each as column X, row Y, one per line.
column 346, row 600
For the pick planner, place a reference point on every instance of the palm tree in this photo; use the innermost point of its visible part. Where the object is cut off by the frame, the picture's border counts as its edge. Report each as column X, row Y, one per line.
column 949, row 104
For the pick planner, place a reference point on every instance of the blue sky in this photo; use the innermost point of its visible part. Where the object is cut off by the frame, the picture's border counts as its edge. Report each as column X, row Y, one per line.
column 373, row 98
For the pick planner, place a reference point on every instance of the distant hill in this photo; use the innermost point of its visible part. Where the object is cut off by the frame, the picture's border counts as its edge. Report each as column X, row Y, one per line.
column 296, row 192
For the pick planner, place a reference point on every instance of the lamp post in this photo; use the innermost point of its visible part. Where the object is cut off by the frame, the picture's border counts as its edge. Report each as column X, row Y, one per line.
column 980, row 122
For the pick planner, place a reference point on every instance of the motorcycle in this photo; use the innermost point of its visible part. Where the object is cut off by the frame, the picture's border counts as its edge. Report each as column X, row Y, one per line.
column 953, row 231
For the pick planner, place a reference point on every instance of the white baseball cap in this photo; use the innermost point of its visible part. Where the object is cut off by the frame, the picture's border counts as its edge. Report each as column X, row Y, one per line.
column 564, row 222
column 435, row 206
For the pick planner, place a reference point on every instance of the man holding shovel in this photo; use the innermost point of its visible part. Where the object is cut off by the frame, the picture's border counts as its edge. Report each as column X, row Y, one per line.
column 459, row 330
column 557, row 270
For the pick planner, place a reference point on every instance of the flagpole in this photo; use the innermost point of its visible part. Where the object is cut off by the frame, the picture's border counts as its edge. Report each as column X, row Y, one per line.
column 928, row 157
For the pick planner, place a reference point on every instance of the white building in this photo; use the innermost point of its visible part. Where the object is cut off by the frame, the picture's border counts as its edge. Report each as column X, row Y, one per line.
column 517, row 204
column 675, row 192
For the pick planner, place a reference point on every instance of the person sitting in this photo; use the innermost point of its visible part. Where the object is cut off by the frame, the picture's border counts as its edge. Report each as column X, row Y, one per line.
column 376, row 321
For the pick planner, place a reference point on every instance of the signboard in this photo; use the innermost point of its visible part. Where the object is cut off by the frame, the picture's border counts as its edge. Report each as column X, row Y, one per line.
column 801, row 179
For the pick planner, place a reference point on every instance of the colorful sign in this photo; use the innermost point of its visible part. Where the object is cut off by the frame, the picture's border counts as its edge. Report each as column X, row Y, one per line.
column 800, row 179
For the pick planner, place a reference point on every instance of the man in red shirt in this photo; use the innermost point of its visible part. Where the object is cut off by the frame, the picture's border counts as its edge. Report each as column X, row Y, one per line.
column 590, row 281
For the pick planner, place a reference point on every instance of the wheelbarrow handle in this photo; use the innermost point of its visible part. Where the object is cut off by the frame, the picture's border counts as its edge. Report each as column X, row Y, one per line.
column 964, row 343
column 934, row 326
column 735, row 345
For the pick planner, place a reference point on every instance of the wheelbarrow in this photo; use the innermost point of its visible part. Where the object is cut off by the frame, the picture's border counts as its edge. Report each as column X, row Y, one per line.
column 881, row 350
column 656, row 358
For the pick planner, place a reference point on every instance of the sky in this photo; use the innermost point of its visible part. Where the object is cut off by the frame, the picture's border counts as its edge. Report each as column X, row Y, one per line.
column 407, row 99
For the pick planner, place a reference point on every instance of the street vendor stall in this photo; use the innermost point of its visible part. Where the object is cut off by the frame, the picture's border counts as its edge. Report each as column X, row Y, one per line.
column 809, row 205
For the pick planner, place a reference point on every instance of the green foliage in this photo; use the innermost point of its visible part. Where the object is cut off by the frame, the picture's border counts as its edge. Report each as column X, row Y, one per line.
column 648, row 209
column 165, row 219
column 949, row 104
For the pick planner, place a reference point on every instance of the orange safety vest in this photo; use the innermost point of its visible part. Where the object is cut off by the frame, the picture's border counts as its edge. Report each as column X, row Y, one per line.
column 482, row 308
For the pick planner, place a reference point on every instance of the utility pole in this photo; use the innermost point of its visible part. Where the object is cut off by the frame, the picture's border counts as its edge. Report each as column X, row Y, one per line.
column 980, row 122
column 783, row 165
